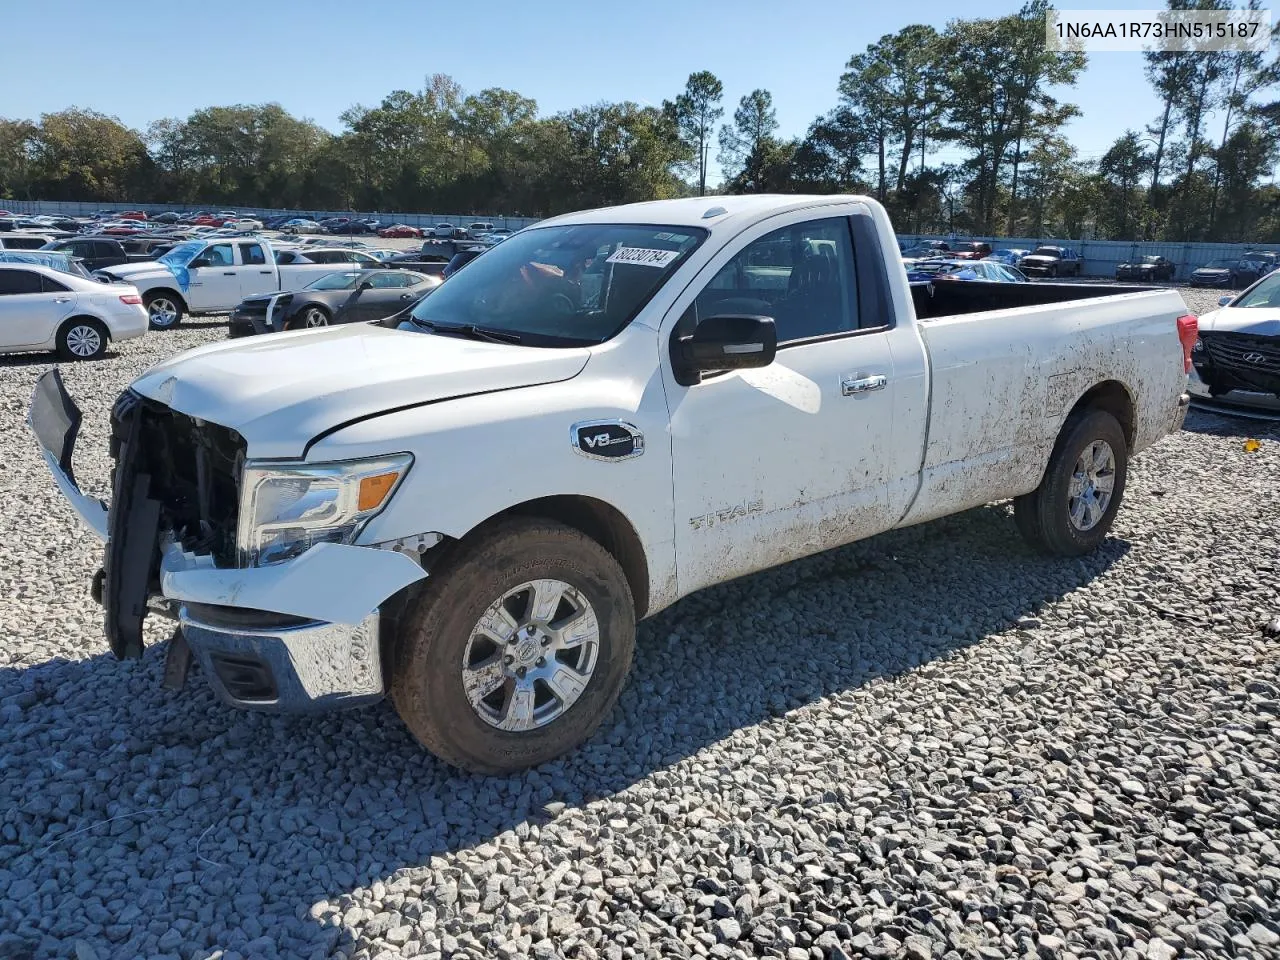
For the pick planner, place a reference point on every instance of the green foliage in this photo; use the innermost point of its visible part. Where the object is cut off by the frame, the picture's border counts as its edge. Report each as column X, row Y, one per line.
column 694, row 114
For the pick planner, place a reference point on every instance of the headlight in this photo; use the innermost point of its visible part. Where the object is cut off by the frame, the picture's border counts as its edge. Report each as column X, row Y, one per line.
column 284, row 510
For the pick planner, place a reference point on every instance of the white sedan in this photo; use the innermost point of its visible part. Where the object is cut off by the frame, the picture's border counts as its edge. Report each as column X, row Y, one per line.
column 42, row 308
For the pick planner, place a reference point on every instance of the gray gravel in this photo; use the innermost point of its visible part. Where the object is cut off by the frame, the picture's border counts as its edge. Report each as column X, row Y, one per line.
column 929, row 745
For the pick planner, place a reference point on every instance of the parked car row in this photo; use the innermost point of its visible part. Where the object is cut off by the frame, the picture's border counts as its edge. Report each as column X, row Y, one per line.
column 1055, row 260
column 1236, row 273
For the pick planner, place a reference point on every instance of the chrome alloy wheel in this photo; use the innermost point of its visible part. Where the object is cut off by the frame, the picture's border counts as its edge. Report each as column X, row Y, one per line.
column 1092, row 483
column 84, row 340
column 531, row 655
column 163, row 312
column 315, row 318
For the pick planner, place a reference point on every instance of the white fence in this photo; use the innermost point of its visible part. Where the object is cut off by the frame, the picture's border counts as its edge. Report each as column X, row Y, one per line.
column 72, row 208
column 1102, row 256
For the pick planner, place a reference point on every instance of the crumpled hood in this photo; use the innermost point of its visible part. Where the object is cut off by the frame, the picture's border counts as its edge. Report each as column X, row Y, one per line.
column 1261, row 321
column 145, row 269
column 282, row 390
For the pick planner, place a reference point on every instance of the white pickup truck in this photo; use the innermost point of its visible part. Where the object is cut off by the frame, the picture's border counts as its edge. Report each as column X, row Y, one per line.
column 469, row 508
column 211, row 276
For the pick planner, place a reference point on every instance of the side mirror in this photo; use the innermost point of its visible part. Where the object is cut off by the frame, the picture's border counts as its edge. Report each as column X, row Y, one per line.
column 198, row 262
column 1223, row 301
column 724, row 342
column 366, row 285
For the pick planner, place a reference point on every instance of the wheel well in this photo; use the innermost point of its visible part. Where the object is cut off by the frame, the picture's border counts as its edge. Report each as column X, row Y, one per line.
column 605, row 525
column 1113, row 397
column 86, row 318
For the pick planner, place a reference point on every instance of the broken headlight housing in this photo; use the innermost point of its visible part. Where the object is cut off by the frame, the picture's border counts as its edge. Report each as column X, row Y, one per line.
column 285, row 510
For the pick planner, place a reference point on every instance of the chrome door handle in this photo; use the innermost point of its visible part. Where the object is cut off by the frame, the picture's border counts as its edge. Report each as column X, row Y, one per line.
column 851, row 385
column 61, row 299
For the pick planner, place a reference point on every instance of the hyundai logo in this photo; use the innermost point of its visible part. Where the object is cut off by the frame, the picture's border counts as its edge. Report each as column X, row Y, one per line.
column 1253, row 358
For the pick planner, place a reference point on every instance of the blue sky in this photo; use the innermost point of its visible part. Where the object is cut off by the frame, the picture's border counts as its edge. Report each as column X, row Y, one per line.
column 141, row 60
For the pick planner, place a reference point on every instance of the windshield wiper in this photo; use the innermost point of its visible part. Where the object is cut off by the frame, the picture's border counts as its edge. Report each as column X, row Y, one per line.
column 469, row 330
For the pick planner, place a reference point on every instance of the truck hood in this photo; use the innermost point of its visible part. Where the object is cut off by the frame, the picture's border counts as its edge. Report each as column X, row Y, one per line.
column 146, row 269
column 1260, row 321
column 1039, row 258
column 281, row 391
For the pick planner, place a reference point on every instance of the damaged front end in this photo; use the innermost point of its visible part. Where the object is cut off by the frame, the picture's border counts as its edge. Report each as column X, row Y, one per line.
column 175, row 475
column 296, row 635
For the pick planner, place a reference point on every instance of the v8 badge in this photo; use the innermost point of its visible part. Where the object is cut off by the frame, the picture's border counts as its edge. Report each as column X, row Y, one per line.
column 606, row 439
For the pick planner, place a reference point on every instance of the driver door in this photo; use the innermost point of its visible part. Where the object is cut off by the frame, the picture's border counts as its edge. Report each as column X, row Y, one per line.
column 776, row 463
column 389, row 294
column 216, row 285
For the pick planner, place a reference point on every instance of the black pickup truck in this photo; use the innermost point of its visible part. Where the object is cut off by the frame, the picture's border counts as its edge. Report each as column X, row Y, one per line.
column 99, row 253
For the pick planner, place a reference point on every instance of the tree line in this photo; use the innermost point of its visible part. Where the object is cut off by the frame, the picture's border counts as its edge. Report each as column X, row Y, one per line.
column 983, row 92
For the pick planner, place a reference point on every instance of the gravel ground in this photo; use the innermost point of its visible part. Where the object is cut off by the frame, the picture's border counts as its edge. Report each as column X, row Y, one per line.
column 931, row 744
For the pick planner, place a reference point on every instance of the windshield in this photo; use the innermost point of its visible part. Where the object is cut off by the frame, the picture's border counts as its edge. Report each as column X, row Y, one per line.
column 1046, row 252
column 1265, row 294
column 1219, row 265
column 567, row 285
column 183, row 253
column 336, row 281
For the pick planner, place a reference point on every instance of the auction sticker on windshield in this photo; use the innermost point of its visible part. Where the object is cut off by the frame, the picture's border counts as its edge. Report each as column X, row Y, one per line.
column 643, row 256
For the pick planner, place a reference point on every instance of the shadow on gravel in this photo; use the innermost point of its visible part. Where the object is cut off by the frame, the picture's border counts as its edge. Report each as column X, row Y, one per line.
column 1217, row 423
column 47, row 359
column 264, row 816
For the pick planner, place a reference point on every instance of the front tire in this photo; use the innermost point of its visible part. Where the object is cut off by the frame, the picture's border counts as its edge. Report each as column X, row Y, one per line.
column 82, row 338
column 517, row 649
column 311, row 318
column 1072, row 510
column 164, row 310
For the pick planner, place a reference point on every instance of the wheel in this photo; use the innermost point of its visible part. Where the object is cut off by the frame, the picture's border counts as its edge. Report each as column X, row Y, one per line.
column 164, row 311
column 82, row 338
column 1072, row 510
column 517, row 650
column 311, row 317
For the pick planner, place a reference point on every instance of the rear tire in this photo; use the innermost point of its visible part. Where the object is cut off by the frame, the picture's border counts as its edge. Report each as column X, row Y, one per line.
column 1066, row 515
column 449, row 641
column 82, row 338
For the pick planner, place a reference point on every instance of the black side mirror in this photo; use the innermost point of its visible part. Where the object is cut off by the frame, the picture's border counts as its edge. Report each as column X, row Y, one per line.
column 198, row 262
column 366, row 285
column 724, row 342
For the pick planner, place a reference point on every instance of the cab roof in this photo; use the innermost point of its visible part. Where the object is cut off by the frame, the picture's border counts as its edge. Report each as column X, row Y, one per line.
column 712, row 213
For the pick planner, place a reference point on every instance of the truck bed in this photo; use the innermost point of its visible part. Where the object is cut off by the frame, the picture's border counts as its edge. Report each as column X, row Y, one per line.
column 953, row 297
column 1008, row 362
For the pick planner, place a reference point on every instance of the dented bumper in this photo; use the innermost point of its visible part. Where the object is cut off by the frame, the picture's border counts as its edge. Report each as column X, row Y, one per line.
column 295, row 636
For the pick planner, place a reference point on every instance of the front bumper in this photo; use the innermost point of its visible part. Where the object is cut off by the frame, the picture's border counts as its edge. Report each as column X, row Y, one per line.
column 1210, row 281
column 1241, row 402
column 279, row 665
column 297, row 636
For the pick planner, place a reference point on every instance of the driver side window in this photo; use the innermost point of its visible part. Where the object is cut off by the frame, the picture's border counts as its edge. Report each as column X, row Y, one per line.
column 220, row 255
column 801, row 275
